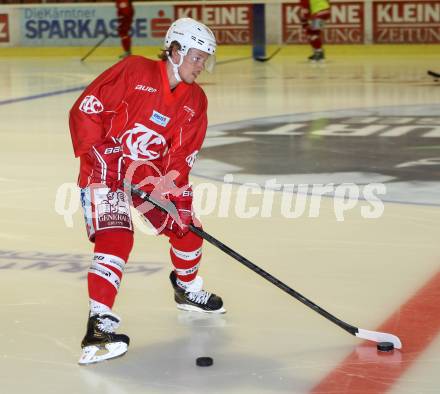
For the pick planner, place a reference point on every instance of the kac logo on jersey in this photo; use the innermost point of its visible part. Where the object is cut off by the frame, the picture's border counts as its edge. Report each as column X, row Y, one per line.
column 159, row 119
column 91, row 105
column 143, row 143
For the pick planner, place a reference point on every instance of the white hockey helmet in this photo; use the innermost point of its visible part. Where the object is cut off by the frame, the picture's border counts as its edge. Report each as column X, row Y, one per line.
column 191, row 34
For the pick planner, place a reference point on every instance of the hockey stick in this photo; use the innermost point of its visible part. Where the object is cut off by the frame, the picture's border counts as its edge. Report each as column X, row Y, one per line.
column 433, row 74
column 98, row 44
column 265, row 59
column 358, row 332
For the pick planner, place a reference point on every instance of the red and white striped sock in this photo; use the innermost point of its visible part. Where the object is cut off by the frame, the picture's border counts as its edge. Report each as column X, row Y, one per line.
column 186, row 253
column 112, row 249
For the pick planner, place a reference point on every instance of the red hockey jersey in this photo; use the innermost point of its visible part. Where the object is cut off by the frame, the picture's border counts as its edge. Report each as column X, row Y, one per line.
column 124, row 8
column 161, row 130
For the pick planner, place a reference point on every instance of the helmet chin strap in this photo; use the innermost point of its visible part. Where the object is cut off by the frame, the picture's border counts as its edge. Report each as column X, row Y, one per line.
column 176, row 66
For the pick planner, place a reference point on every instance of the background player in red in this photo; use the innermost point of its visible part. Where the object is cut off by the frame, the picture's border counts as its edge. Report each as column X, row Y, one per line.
column 125, row 13
column 143, row 121
column 314, row 14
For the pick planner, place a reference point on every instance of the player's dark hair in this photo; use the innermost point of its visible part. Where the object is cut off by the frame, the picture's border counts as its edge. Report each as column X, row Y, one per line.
column 163, row 55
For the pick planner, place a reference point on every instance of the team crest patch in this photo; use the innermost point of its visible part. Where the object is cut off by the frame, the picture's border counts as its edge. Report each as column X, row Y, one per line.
column 112, row 209
column 143, row 143
column 91, row 105
column 159, row 119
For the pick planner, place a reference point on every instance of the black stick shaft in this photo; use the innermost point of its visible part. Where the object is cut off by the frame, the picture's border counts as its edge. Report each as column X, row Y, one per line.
column 98, row 44
column 266, row 59
column 203, row 234
column 434, row 74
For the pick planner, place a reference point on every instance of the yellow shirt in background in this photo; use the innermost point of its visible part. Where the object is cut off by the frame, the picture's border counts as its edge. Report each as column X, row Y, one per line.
column 318, row 5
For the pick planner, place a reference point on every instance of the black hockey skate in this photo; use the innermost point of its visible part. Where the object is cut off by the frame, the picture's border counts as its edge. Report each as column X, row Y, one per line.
column 318, row 56
column 100, row 337
column 197, row 301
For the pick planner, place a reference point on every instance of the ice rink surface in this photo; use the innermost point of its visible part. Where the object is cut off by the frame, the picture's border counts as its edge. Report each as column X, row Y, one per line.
column 356, row 120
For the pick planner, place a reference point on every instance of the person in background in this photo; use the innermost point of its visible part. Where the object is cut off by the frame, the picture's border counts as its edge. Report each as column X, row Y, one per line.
column 125, row 13
column 313, row 15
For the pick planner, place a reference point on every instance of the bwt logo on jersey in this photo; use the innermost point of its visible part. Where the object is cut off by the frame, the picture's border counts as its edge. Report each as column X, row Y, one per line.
column 91, row 105
column 159, row 119
column 231, row 24
column 346, row 24
column 406, row 22
column 4, row 28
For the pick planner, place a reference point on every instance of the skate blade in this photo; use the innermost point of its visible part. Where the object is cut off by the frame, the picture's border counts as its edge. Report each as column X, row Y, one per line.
column 89, row 354
column 192, row 308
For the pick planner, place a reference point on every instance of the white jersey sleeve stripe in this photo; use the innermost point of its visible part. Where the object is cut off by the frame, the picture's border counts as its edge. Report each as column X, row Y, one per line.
column 103, row 165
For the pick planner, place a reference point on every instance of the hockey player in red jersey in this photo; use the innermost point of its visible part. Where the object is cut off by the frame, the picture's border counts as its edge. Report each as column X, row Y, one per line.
column 314, row 14
column 143, row 121
column 125, row 13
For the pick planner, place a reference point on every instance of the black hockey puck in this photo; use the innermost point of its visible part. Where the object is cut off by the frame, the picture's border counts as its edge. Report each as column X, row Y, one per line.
column 204, row 361
column 385, row 346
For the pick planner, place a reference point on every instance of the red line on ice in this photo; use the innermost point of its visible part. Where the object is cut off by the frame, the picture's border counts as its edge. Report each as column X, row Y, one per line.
column 365, row 371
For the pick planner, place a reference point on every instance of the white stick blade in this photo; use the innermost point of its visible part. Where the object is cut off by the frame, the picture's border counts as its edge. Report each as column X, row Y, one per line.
column 379, row 337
